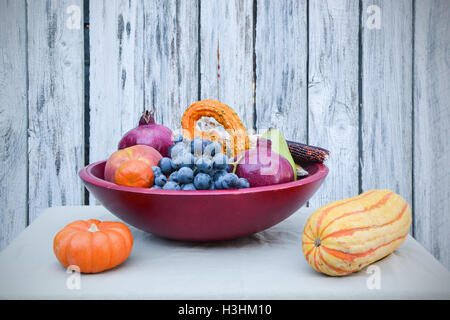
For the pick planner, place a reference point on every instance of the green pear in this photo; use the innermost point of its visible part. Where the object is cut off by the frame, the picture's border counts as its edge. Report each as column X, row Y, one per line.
column 280, row 146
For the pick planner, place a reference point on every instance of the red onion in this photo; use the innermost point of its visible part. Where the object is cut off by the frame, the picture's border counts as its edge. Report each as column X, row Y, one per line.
column 262, row 167
column 150, row 134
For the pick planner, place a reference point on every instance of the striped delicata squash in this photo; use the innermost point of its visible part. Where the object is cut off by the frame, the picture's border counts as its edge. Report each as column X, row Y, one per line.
column 345, row 236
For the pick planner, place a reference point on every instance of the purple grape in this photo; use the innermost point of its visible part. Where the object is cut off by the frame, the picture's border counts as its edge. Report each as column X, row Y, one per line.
column 171, row 185
column 174, row 176
column 156, row 171
column 243, row 183
column 187, row 160
column 188, row 187
column 212, row 149
column 230, row 181
column 185, row 175
column 166, row 165
column 160, row 180
column 220, row 161
column 202, row 181
column 204, row 165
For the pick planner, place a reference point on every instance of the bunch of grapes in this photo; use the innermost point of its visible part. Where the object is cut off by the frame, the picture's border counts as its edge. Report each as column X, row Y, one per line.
column 196, row 165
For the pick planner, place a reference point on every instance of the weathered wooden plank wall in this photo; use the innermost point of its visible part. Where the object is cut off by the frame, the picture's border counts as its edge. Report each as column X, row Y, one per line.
column 431, row 127
column 386, row 97
column 281, row 52
column 13, row 121
column 333, row 93
column 170, row 57
column 55, row 104
column 226, row 49
column 115, row 77
column 324, row 72
column 115, row 73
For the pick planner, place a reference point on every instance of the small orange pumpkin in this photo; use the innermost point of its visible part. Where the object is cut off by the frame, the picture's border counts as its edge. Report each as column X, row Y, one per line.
column 92, row 245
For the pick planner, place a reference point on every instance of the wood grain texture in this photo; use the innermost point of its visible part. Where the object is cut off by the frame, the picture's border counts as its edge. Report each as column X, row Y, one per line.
column 116, row 74
column 431, row 127
column 55, row 98
column 13, row 121
column 386, row 153
column 170, row 59
column 226, row 60
column 333, row 94
column 164, row 55
column 281, row 67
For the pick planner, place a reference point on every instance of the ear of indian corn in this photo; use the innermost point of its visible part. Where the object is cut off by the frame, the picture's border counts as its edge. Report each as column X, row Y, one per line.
column 345, row 236
column 306, row 153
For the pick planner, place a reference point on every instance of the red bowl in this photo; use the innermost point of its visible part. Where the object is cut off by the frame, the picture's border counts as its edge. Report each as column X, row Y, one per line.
column 209, row 215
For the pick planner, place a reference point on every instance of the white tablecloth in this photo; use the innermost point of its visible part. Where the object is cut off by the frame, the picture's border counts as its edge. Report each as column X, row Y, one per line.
column 267, row 265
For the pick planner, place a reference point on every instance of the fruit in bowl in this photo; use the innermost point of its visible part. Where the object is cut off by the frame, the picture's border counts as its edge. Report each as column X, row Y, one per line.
column 268, row 163
column 150, row 134
column 237, row 141
column 203, row 164
column 200, row 190
column 196, row 165
column 264, row 167
column 202, row 215
column 132, row 166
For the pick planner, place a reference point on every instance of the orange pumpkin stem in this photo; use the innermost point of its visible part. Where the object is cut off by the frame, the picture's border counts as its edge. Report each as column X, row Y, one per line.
column 93, row 228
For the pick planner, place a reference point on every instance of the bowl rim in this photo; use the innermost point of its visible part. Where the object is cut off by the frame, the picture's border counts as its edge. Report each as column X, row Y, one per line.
column 86, row 175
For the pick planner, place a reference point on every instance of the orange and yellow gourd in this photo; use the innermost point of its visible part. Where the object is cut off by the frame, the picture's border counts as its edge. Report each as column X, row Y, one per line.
column 345, row 236
column 225, row 116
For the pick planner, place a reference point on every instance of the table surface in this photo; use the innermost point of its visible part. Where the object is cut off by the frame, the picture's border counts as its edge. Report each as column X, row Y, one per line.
column 267, row 265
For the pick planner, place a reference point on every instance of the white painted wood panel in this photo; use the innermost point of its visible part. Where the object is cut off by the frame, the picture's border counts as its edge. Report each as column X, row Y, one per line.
column 386, row 110
column 333, row 94
column 281, row 67
column 170, row 56
column 164, row 55
column 13, row 120
column 226, row 55
column 431, row 127
column 116, row 36
column 116, row 73
column 55, row 98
